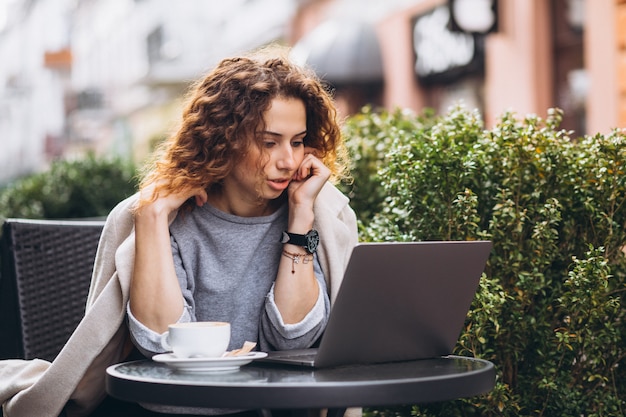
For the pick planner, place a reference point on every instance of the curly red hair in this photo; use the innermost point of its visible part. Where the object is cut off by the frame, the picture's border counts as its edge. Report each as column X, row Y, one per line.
column 225, row 110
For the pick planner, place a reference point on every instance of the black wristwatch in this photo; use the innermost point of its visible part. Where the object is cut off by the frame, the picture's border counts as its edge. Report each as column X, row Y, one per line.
column 308, row 241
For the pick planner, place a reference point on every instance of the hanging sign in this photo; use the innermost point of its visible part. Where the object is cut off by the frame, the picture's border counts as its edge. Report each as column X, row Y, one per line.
column 442, row 55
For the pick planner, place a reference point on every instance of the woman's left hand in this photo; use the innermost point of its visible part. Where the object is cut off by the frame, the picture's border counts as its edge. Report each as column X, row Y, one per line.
column 296, row 289
column 308, row 180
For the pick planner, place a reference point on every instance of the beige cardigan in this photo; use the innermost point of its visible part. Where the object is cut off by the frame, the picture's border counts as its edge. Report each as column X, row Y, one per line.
column 76, row 377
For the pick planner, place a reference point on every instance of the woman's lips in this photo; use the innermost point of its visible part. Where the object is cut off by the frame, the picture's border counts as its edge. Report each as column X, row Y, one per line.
column 279, row 184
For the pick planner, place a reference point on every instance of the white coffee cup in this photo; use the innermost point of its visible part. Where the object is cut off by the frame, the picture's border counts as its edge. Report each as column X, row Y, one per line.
column 208, row 339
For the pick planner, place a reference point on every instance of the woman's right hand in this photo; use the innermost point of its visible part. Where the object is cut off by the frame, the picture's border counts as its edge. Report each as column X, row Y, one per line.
column 168, row 203
column 155, row 296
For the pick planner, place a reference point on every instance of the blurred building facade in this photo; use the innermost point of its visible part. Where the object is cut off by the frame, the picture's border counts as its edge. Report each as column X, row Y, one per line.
column 35, row 63
column 540, row 54
column 498, row 55
column 109, row 75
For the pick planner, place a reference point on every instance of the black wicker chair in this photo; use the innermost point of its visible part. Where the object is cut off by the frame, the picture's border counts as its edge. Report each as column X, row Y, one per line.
column 46, row 268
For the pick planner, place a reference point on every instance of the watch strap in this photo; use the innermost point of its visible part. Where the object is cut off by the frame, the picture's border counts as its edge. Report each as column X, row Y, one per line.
column 294, row 239
column 308, row 241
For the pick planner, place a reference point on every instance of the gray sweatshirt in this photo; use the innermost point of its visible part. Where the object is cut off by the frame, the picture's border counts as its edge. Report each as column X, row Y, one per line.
column 226, row 266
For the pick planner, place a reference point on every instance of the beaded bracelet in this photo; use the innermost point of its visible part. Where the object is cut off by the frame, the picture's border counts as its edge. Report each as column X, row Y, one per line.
column 296, row 257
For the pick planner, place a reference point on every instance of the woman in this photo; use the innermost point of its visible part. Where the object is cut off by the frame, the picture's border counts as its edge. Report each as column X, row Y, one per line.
column 247, row 179
column 258, row 143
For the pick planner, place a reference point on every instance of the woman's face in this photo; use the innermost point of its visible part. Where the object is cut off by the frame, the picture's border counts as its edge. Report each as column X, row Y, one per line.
column 266, row 170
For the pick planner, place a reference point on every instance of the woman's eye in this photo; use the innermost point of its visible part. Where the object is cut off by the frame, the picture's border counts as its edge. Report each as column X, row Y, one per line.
column 269, row 144
column 297, row 143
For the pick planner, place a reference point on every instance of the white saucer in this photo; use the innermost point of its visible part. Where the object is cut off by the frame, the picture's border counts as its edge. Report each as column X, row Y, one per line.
column 227, row 363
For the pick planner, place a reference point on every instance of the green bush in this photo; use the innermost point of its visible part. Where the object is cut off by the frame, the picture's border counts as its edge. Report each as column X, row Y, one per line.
column 549, row 312
column 371, row 136
column 89, row 187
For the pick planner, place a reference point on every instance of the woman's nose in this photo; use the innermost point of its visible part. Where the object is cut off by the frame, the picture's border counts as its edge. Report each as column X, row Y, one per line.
column 286, row 159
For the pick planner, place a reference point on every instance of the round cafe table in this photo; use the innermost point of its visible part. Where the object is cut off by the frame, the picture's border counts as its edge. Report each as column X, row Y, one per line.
column 270, row 386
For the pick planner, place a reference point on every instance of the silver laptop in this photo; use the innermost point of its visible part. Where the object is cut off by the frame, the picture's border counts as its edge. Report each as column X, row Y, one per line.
column 398, row 301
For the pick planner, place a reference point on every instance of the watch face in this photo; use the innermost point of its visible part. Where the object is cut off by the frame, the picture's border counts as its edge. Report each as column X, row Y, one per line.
column 312, row 240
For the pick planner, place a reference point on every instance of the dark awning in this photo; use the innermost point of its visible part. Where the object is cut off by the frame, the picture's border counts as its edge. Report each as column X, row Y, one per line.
column 342, row 52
